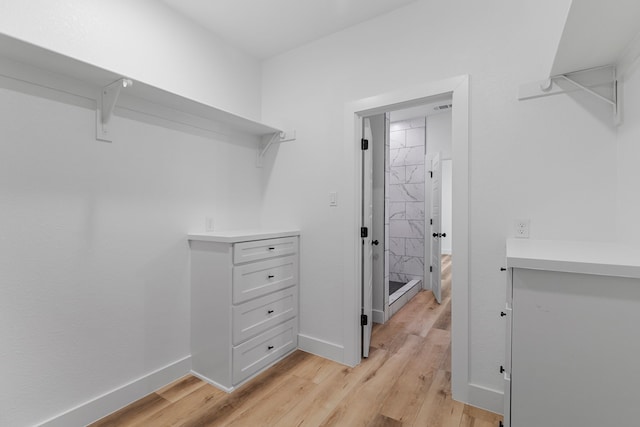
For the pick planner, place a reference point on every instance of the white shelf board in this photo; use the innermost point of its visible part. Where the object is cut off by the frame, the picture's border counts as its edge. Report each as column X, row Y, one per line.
column 29, row 63
column 599, row 258
column 596, row 33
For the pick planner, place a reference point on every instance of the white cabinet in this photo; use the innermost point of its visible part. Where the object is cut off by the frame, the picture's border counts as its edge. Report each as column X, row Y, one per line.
column 244, row 303
column 573, row 335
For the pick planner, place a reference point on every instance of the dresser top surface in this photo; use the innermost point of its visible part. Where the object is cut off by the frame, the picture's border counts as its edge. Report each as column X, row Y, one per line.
column 601, row 258
column 236, row 236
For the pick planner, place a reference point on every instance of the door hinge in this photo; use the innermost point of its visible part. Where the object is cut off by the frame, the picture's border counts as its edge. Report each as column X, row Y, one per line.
column 364, row 232
column 364, row 320
column 430, row 174
column 431, row 221
column 430, row 269
column 364, row 144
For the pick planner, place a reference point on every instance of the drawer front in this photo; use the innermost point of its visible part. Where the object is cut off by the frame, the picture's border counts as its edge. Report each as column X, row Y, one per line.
column 259, row 352
column 256, row 316
column 263, row 249
column 260, row 278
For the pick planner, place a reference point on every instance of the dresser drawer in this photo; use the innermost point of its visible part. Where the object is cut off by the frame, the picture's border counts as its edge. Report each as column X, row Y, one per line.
column 260, row 278
column 258, row 315
column 263, row 249
column 259, row 352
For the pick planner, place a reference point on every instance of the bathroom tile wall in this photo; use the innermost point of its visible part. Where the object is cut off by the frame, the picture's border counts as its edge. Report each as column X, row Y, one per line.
column 406, row 200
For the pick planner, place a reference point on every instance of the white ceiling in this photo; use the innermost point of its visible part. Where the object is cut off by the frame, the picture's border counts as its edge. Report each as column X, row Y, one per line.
column 264, row 28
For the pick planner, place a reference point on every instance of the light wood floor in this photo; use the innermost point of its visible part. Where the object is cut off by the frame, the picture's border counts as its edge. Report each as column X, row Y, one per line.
column 404, row 382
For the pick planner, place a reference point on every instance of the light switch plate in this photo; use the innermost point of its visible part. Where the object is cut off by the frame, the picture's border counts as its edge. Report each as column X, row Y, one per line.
column 333, row 198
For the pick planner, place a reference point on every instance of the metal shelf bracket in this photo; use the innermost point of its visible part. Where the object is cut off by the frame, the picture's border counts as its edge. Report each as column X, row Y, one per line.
column 105, row 106
column 269, row 140
column 550, row 87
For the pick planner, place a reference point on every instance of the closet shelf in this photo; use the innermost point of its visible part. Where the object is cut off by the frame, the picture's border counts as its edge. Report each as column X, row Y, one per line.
column 598, row 33
column 44, row 72
column 600, row 42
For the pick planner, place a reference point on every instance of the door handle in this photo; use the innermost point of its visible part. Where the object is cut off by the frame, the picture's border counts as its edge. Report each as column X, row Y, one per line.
column 443, row 235
column 375, row 242
column 435, row 234
column 439, row 234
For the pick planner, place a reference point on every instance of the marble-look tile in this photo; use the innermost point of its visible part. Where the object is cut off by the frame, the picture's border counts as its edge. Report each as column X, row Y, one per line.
column 407, row 156
column 419, row 122
column 406, row 229
column 409, row 265
column 395, row 277
column 414, row 174
column 397, row 246
column 415, row 138
column 414, row 247
column 395, row 126
column 397, row 157
column 412, row 155
column 397, row 175
column 417, row 229
column 414, row 210
column 407, row 192
column 398, row 139
column 396, row 210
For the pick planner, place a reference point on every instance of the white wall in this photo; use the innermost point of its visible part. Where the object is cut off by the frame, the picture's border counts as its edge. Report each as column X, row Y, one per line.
column 143, row 40
column 533, row 159
column 93, row 250
column 628, row 145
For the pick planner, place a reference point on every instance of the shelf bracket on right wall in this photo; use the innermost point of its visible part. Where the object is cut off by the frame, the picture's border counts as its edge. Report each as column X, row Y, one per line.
column 106, row 104
column 269, row 140
column 603, row 78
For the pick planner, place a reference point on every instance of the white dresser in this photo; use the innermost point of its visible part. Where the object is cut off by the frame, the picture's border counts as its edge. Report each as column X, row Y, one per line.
column 244, row 303
column 573, row 334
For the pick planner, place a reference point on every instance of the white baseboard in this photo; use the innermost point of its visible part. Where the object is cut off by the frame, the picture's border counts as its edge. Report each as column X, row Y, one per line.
column 378, row 316
column 110, row 402
column 445, row 251
column 322, row 348
column 486, row 398
column 212, row 382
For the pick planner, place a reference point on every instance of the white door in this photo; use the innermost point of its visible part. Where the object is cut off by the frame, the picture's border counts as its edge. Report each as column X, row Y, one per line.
column 366, row 232
column 436, row 208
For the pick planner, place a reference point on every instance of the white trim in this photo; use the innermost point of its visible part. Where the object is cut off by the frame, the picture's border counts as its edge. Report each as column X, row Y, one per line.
column 120, row 397
column 212, row 382
column 322, row 348
column 378, row 316
column 486, row 398
column 458, row 87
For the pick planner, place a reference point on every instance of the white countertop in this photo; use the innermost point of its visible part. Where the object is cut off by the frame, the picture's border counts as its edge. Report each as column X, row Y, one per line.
column 605, row 259
column 235, row 236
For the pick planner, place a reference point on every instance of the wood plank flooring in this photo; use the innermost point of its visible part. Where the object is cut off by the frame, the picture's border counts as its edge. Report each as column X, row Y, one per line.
column 406, row 381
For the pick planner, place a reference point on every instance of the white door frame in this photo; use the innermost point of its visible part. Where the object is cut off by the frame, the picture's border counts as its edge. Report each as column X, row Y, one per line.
column 458, row 88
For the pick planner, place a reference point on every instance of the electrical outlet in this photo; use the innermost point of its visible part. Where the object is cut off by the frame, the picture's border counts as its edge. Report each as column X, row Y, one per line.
column 208, row 224
column 522, row 228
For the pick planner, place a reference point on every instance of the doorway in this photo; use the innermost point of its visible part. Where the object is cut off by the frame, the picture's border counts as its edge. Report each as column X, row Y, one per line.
column 406, row 258
column 458, row 89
